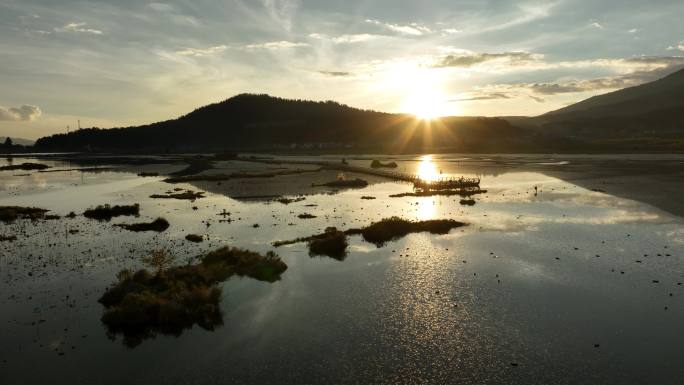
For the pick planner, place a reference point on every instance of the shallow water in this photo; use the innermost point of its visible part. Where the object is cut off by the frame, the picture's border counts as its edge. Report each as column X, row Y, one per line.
column 523, row 294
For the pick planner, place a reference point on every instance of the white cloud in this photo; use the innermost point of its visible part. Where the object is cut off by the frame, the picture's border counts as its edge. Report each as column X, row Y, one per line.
column 413, row 29
column 597, row 25
column 633, row 30
column 466, row 59
column 78, row 27
column 161, row 7
column 345, row 39
column 199, row 52
column 680, row 47
column 282, row 11
column 24, row 113
column 451, row 31
column 274, row 45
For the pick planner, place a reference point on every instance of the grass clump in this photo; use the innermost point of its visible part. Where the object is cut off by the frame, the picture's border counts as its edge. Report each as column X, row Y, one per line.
column 187, row 195
column 378, row 164
column 194, row 238
column 158, row 225
column 306, row 216
column 393, row 228
column 287, row 201
column 11, row 213
column 169, row 300
column 332, row 243
column 25, row 167
column 462, row 192
column 107, row 212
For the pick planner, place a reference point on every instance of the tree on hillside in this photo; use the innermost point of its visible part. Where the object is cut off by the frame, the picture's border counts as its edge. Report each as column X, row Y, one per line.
column 8, row 142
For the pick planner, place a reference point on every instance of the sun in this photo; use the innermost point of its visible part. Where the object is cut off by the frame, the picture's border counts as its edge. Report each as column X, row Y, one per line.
column 427, row 103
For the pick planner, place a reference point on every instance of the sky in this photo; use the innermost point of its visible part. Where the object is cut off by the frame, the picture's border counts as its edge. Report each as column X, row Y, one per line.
column 129, row 62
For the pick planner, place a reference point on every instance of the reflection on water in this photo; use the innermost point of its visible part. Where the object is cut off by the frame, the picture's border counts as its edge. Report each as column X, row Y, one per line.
column 427, row 170
column 535, row 280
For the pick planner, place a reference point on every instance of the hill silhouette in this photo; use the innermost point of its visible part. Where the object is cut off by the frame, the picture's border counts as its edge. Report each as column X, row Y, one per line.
column 648, row 116
column 263, row 122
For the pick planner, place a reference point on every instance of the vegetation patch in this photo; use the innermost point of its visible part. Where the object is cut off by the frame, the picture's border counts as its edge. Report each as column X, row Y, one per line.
column 332, row 243
column 287, row 201
column 463, row 192
column 8, row 238
column 25, row 167
column 194, row 238
column 467, row 202
column 11, row 213
column 378, row 233
column 306, row 216
column 367, row 197
column 145, row 174
column 187, row 195
column 351, row 183
column 393, row 228
column 158, row 225
column 107, row 212
column 378, row 164
column 169, row 300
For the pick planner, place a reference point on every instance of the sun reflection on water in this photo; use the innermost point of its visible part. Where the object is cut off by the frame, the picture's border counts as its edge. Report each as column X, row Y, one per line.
column 426, row 209
column 427, row 170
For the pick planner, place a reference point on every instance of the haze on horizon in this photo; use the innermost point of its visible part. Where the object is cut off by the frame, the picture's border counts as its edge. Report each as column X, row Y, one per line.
column 136, row 62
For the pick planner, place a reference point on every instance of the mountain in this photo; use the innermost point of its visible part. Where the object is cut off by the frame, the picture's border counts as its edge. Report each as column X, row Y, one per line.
column 18, row 141
column 647, row 116
column 262, row 122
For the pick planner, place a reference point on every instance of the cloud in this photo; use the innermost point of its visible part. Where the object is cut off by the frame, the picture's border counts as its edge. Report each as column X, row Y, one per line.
column 78, row 27
column 620, row 81
column 470, row 59
column 161, row 7
column 413, row 29
column 478, row 96
column 24, row 113
column 680, row 47
column 597, row 25
column 633, row 30
column 274, row 45
column 335, row 73
column 282, row 11
column 199, row 52
column 345, row 39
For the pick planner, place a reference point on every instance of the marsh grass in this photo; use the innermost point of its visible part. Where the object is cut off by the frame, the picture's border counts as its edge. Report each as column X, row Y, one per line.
column 393, row 228
column 462, row 192
column 158, row 225
column 11, row 213
column 378, row 164
column 194, row 238
column 378, row 233
column 142, row 304
column 185, row 195
column 25, row 167
column 107, row 212
column 333, row 243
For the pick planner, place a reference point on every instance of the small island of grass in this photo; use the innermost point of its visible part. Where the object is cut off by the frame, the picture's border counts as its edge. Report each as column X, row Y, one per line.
column 378, row 164
column 168, row 300
column 10, row 214
column 333, row 242
column 158, row 225
column 107, row 212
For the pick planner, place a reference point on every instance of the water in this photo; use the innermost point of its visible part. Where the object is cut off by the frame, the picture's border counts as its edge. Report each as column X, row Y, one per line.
column 541, row 288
